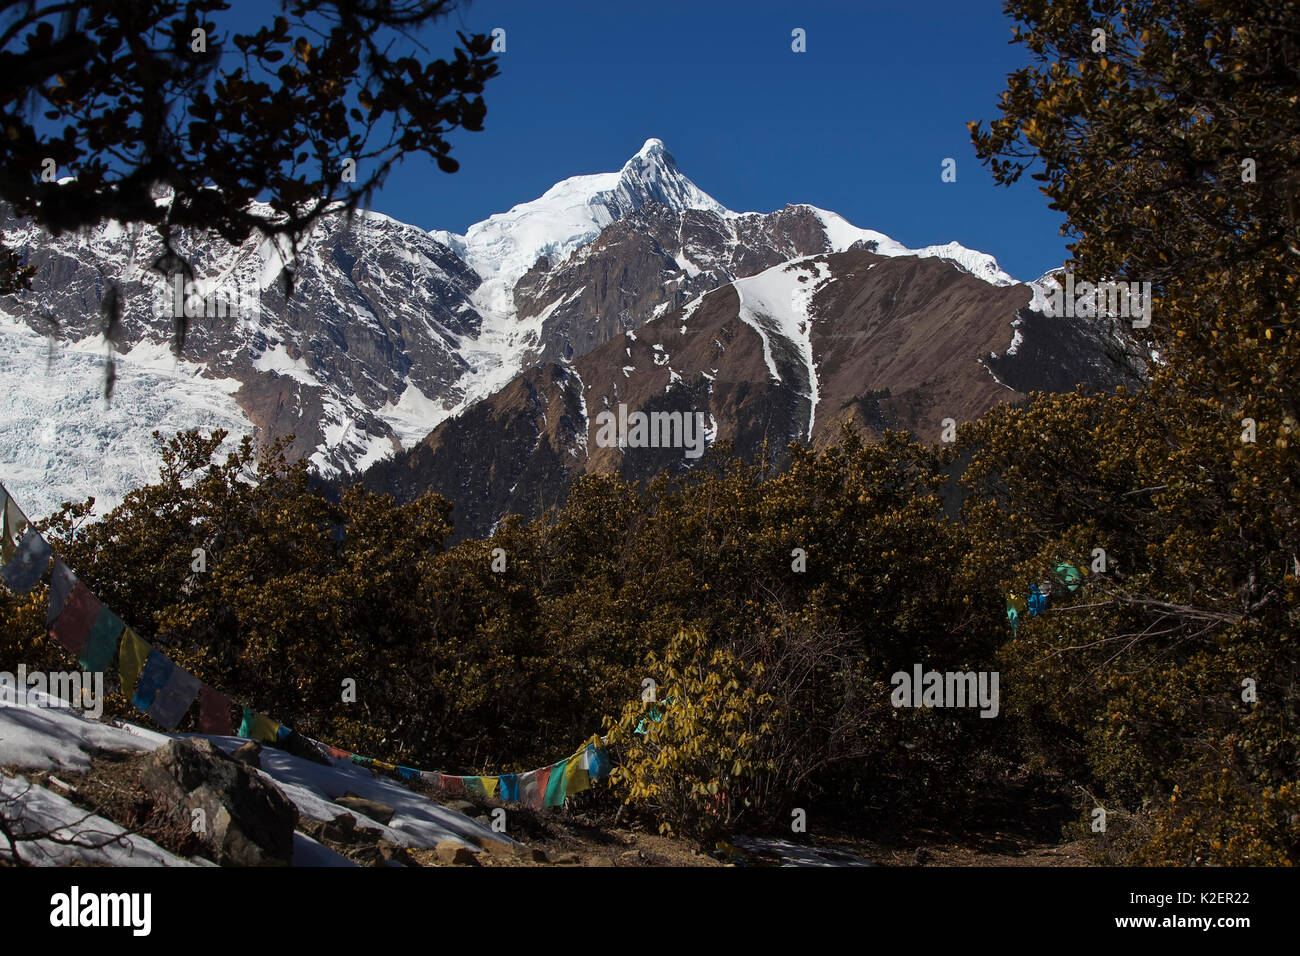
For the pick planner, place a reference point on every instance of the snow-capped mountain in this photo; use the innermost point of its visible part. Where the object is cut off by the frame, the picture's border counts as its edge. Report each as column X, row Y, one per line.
column 570, row 214
column 392, row 331
column 789, row 352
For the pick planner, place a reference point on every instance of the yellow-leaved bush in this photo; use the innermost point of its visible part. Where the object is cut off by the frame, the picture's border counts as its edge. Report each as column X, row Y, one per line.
column 699, row 764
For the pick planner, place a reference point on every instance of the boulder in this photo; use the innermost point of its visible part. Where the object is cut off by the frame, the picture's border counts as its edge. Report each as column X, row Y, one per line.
column 379, row 812
column 246, row 820
column 393, row 854
column 342, row 829
column 503, row 850
column 451, row 853
column 249, row 753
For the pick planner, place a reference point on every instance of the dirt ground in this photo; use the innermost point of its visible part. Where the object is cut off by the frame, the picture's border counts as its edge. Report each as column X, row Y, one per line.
column 564, row 838
column 983, row 840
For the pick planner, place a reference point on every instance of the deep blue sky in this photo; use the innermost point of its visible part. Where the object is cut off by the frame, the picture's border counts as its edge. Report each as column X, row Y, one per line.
column 858, row 124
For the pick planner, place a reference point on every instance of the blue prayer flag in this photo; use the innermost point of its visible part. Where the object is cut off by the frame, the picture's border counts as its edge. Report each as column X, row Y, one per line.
column 157, row 670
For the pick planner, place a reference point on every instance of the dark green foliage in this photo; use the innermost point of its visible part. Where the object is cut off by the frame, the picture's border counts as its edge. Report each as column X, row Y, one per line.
column 122, row 96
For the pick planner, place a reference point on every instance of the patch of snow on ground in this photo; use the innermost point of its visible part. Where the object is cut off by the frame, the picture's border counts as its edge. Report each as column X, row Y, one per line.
column 798, row 854
column 34, row 735
column 94, row 841
column 275, row 358
column 1017, row 338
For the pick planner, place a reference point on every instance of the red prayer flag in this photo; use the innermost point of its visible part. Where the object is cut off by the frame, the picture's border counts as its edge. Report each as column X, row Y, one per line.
column 537, row 799
column 72, row 627
column 214, row 713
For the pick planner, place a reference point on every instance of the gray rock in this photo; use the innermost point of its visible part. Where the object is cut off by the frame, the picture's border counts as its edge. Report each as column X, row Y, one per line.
column 451, row 853
column 505, row 850
column 247, row 820
column 249, row 753
column 379, row 812
column 344, row 829
column 394, row 855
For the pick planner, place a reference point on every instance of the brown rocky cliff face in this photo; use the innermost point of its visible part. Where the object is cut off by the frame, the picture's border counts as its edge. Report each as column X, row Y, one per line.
column 651, row 262
column 900, row 342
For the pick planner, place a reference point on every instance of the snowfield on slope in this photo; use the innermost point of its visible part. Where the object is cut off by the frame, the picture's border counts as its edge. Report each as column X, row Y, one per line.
column 841, row 234
column 60, row 441
column 775, row 304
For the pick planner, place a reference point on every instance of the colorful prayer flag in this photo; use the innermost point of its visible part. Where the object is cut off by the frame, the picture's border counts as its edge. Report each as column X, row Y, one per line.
column 259, row 727
column 598, row 764
column 1016, row 607
column 556, row 785
column 532, row 791
column 73, row 625
column 214, row 712
column 1037, row 601
column 157, row 669
column 1069, row 575
column 62, row 581
column 131, row 656
column 652, row 715
column 509, row 787
column 13, row 524
column 28, row 564
column 174, row 698
column 97, row 653
column 453, row 785
column 576, row 778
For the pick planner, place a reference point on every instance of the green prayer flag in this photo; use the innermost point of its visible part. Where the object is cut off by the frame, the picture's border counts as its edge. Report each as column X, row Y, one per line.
column 556, row 788
column 97, row 652
column 257, row 726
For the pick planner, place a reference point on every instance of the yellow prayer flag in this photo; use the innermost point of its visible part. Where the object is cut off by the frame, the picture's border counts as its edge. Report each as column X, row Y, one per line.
column 576, row 777
column 264, row 729
column 131, row 655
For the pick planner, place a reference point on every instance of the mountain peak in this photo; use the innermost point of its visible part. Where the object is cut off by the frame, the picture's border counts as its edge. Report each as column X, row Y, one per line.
column 652, row 176
column 652, row 147
column 568, row 215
